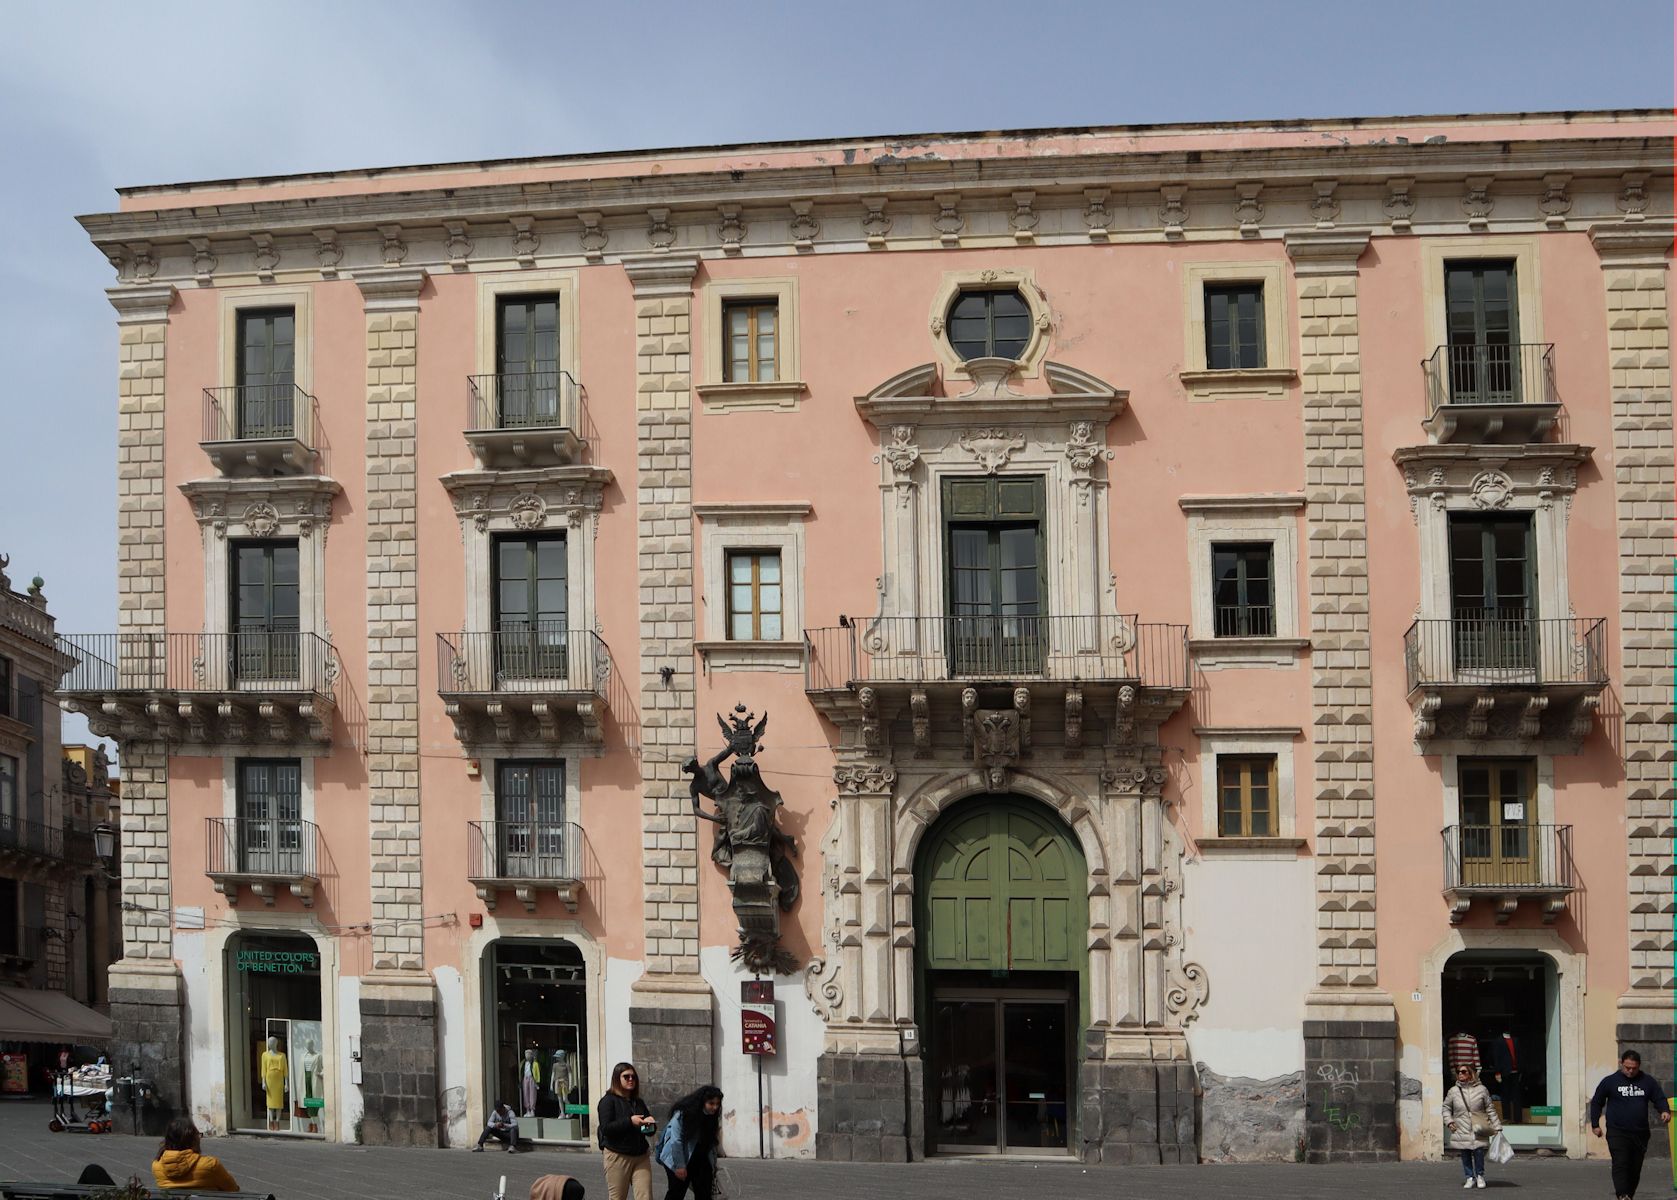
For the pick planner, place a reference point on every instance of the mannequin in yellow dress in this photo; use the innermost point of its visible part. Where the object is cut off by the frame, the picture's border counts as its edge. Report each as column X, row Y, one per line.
column 274, row 1074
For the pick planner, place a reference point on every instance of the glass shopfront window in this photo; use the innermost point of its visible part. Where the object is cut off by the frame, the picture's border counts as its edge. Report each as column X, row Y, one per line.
column 536, row 996
column 277, row 1055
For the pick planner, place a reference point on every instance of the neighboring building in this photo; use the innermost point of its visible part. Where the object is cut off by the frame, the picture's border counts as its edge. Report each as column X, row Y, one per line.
column 56, row 910
column 1211, row 586
column 91, row 802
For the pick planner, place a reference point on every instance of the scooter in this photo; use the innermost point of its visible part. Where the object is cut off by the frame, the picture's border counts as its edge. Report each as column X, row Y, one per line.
column 65, row 1118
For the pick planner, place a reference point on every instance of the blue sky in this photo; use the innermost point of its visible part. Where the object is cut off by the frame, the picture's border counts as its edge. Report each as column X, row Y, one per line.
column 97, row 96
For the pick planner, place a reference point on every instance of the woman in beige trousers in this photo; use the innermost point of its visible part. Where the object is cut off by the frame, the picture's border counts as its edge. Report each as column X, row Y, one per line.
column 625, row 1130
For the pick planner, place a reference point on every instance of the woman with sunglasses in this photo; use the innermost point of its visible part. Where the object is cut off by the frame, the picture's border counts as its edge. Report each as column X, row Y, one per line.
column 625, row 1124
column 1470, row 1119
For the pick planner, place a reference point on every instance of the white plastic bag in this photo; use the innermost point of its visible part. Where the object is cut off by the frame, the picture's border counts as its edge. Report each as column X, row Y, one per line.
column 1499, row 1151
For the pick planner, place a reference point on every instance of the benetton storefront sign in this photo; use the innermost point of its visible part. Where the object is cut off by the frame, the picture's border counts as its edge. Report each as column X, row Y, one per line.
column 279, row 962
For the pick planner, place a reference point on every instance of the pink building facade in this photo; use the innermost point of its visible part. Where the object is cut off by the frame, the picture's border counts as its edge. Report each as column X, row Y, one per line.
column 1211, row 588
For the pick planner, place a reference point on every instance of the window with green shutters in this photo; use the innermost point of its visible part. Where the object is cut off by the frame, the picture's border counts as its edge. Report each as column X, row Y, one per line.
column 531, row 601
column 1483, row 327
column 995, row 574
column 1234, row 326
column 527, row 360
column 264, row 610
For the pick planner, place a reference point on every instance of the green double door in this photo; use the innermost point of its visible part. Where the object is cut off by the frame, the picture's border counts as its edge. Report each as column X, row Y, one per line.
column 1002, row 919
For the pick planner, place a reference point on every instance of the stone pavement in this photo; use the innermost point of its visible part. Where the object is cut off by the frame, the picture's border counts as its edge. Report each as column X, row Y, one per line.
column 299, row 1170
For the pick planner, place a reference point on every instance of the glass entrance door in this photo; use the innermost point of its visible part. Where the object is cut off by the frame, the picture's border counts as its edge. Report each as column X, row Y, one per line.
column 1000, row 1072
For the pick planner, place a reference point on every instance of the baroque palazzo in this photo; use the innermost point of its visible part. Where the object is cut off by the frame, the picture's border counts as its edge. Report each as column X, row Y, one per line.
column 1209, row 587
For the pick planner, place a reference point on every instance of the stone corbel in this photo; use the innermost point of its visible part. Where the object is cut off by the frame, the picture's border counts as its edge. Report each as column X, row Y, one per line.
column 660, row 234
column 1557, row 199
column 1173, row 210
column 1023, row 220
column 804, row 228
column 872, row 732
column 1074, row 722
column 1400, row 203
column 1479, row 715
column 1022, row 707
column 876, row 222
column 1477, row 202
column 1633, row 195
column 1531, row 719
column 329, row 252
column 1325, row 206
column 394, row 248
column 969, row 710
column 1095, row 213
column 525, row 240
column 730, row 229
column 203, row 262
column 1426, row 716
column 266, row 258
column 458, row 245
column 1248, row 209
column 949, row 222
column 594, row 236
column 919, row 707
column 1583, row 716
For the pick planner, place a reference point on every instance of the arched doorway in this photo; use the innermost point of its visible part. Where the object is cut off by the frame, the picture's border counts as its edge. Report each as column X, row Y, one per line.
column 535, row 1029
column 1002, row 914
column 278, row 1058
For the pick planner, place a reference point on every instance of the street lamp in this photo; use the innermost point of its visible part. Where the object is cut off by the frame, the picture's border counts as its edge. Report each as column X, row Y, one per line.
column 104, row 847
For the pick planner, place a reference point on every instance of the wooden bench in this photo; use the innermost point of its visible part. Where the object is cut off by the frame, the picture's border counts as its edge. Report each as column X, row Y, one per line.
column 19, row 1190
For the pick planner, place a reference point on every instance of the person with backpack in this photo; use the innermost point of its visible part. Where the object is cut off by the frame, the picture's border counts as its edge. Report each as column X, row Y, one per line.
column 624, row 1125
column 687, row 1147
column 1470, row 1121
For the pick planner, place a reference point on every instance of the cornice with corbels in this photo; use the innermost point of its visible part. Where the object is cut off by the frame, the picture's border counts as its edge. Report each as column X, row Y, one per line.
column 263, row 507
column 1389, row 190
column 529, row 499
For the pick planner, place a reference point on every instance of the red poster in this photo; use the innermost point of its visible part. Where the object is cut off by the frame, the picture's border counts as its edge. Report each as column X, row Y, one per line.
column 14, row 1073
column 757, row 1033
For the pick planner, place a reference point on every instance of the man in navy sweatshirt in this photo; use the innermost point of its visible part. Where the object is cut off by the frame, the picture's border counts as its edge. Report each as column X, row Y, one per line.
column 1625, row 1096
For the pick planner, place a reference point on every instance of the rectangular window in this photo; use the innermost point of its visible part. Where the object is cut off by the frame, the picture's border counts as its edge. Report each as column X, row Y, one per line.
column 1492, row 591
column 1243, row 600
column 265, row 367
column 1246, row 796
column 1234, row 326
column 264, row 610
column 1483, row 324
column 996, row 575
column 8, row 704
column 527, row 360
column 531, row 605
column 8, row 791
column 1498, row 821
column 755, row 600
column 270, row 798
column 530, row 820
column 11, row 939
column 751, row 343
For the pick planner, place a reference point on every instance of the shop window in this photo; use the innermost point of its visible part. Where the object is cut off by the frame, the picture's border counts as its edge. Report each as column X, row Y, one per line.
column 1496, row 1009
column 278, row 1055
column 536, row 1007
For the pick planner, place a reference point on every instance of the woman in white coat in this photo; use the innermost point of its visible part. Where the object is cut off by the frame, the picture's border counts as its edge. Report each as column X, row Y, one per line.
column 1470, row 1120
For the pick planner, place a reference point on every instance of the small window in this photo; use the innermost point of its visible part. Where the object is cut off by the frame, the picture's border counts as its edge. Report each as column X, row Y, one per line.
column 1234, row 326
column 266, row 368
column 989, row 324
column 8, row 790
column 1246, row 796
column 1243, row 589
column 751, row 345
column 754, row 596
column 6, row 706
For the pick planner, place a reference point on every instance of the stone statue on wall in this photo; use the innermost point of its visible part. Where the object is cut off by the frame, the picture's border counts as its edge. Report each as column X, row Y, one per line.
column 749, row 842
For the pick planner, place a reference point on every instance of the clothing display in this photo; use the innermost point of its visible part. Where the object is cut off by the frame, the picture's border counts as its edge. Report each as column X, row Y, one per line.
column 274, row 1068
column 1462, row 1050
column 1505, row 1061
column 530, row 1082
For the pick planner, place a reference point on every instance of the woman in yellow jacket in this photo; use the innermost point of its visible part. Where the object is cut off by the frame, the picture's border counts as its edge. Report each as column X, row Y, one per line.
column 179, row 1165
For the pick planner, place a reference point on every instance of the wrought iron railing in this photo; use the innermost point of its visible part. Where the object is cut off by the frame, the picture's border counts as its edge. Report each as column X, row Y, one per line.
column 1490, row 373
column 20, row 948
column 259, row 412
column 1245, row 620
column 281, row 847
column 523, row 400
column 1504, row 858
column 548, row 850
column 543, row 657
column 250, row 659
column 1495, row 647
column 20, row 835
column 937, row 649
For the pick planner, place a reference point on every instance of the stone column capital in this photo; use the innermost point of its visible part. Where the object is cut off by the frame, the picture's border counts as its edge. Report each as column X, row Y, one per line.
column 392, row 289
column 655, row 275
column 141, row 304
column 1633, row 243
column 1326, row 251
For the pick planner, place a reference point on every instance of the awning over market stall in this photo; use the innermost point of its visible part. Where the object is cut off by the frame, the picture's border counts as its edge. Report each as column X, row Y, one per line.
column 28, row 1015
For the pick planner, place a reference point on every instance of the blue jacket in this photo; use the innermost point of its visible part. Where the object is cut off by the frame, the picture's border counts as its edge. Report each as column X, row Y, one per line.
column 675, row 1146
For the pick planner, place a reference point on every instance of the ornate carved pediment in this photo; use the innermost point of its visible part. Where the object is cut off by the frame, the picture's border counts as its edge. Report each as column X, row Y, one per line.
column 281, row 506
column 1491, row 478
column 918, row 396
column 534, row 498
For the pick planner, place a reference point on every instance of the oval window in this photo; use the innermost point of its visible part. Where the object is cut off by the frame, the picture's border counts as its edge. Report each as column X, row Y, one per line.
column 989, row 324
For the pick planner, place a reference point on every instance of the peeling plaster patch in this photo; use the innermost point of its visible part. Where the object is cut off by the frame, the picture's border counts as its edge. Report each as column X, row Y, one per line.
column 621, row 974
column 453, row 1031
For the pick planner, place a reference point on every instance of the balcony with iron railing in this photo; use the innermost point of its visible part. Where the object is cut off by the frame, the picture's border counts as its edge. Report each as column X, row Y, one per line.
column 262, row 855
column 540, row 684
column 260, row 429
column 1490, row 392
column 27, row 845
column 1503, row 674
column 1504, row 864
column 21, row 948
column 20, row 711
column 204, row 690
column 872, row 670
column 526, row 858
column 525, row 419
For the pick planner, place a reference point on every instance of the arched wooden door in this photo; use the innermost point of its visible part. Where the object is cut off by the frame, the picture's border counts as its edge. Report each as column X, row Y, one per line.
column 1002, row 919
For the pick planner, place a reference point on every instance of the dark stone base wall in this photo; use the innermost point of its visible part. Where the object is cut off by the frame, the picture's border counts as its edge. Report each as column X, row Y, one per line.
column 149, row 1039
column 672, row 1053
column 1137, row 1113
column 1657, row 1044
column 1350, row 1091
column 870, row 1108
column 399, row 1057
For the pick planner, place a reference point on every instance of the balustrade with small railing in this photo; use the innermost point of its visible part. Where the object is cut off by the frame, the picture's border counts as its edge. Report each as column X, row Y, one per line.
column 1506, row 647
column 259, row 412
column 549, row 851
column 540, row 657
column 1481, row 373
column 271, row 847
column 523, row 400
column 1508, row 858
column 248, row 659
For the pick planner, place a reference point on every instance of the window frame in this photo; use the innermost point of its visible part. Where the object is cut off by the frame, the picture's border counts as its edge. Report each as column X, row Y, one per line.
column 1247, row 764
column 786, row 391
column 753, row 307
column 751, row 526
column 1244, row 520
column 756, row 555
column 8, row 706
column 1243, row 607
column 1029, row 363
column 1272, row 380
column 1236, row 341
column 273, row 852
column 8, row 795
